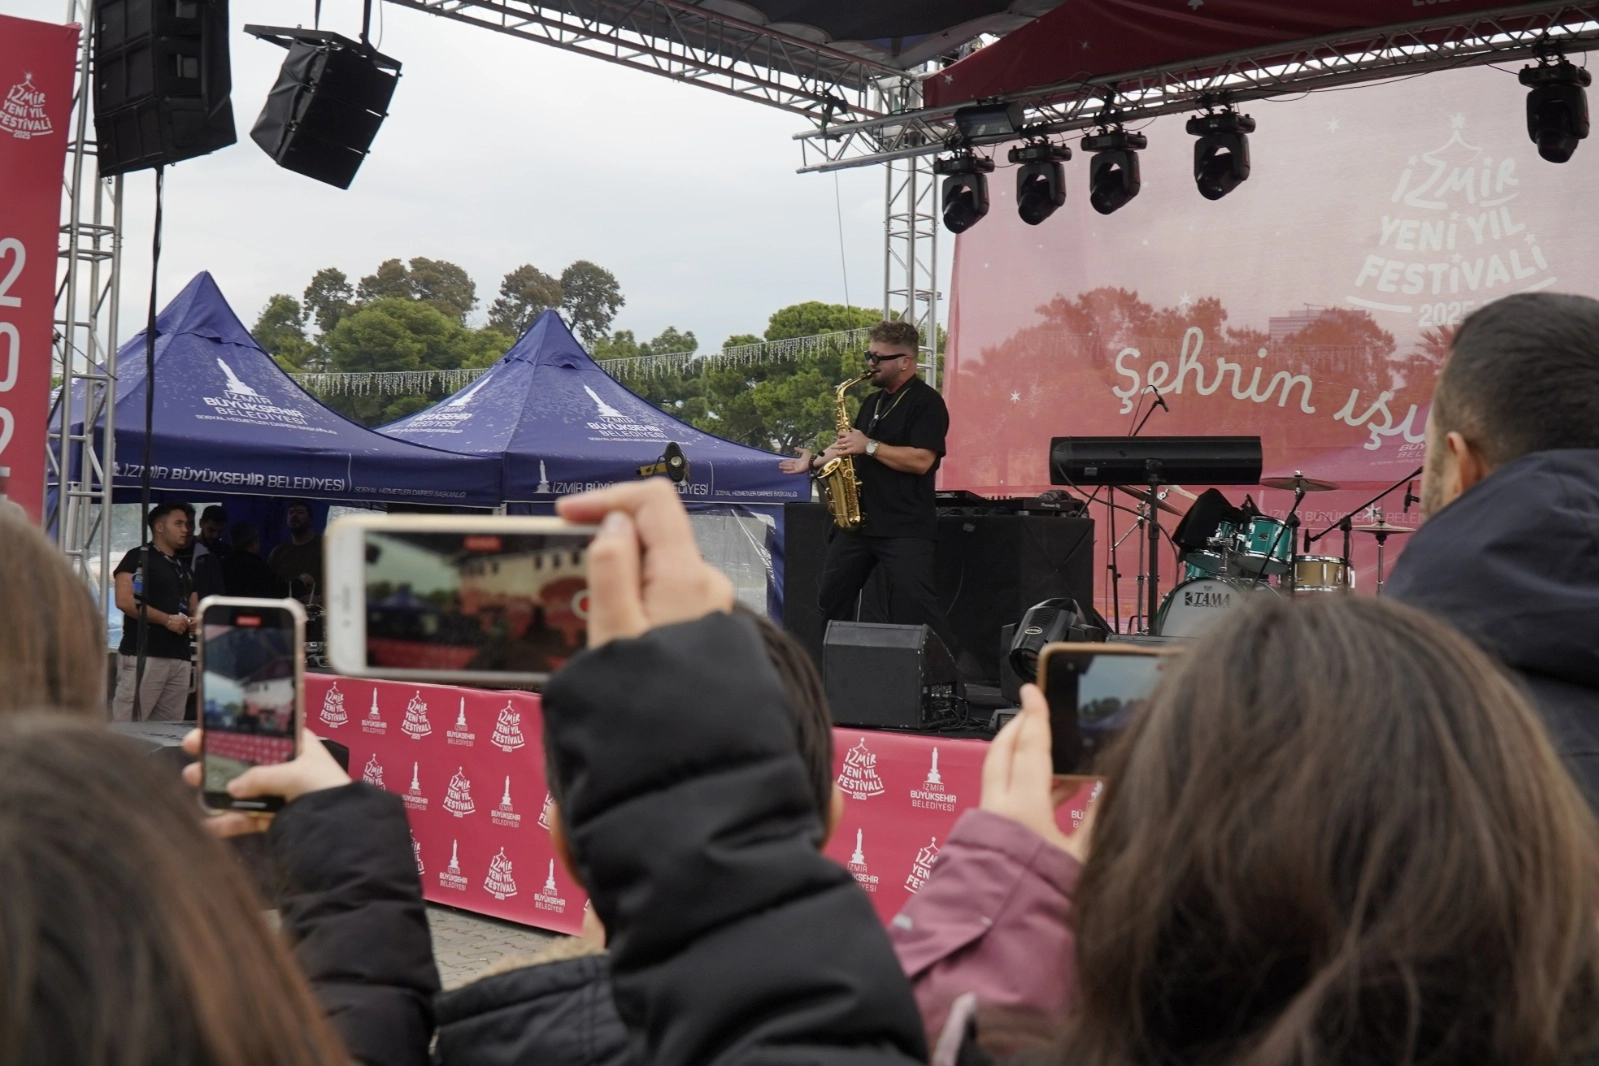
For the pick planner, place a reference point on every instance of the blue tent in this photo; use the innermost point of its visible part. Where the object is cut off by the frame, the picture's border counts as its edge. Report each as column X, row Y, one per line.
column 560, row 424
column 229, row 421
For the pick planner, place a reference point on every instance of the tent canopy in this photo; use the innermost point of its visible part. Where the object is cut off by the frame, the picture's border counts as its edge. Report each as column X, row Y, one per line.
column 1097, row 40
column 228, row 420
column 560, row 424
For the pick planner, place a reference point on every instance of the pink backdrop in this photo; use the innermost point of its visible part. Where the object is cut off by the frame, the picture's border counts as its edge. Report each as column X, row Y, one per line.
column 455, row 755
column 1313, row 306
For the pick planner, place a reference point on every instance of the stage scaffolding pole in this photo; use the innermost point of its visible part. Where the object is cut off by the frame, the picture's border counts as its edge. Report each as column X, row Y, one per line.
column 85, row 356
column 910, row 233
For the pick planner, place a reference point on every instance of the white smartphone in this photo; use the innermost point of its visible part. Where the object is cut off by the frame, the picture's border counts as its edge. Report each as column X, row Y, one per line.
column 486, row 600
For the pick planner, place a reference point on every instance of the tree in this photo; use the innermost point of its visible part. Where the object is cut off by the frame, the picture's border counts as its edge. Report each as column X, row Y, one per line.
column 328, row 298
column 525, row 293
column 739, row 340
column 590, row 299
column 670, row 341
column 619, row 345
column 436, row 282
column 279, row 329
column 813, row 317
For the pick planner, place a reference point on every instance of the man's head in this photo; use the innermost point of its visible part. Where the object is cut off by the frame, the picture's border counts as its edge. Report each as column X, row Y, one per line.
column 169, row 526
column 894, row 346
column 1522, row 377
column 213, row 520
column 298, row 516
column 246, row 537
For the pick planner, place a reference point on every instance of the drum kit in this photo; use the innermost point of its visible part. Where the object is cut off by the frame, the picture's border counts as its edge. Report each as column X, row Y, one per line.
column 1245, row 553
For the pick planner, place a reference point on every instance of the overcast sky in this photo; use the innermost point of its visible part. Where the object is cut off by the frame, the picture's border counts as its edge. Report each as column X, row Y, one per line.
column 499, row 152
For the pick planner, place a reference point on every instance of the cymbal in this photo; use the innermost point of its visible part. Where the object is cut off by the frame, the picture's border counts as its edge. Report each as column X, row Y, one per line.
column 1380, row 527
column 1298, row 481
column 1143, row 497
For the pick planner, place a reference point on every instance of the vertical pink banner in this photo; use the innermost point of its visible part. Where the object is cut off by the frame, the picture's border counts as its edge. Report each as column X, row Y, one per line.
column 37, row 62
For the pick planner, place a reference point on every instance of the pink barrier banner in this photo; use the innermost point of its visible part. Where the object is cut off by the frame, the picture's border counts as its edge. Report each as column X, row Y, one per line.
column 1313, row 306
column 37, row 61
column 469, row 765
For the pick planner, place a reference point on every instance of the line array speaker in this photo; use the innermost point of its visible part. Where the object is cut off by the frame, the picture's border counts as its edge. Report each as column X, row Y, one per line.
column 329, row 101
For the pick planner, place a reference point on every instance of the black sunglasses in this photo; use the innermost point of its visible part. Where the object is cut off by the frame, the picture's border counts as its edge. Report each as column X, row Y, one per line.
column 874, row 358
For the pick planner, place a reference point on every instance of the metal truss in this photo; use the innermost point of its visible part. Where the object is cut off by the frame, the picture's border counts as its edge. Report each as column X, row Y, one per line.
column 910, row 235
column 1439, row 43
column 682, row 41
column 85, row 356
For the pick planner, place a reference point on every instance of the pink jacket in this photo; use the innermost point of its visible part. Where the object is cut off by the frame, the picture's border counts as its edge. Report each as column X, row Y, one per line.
column 992, row 921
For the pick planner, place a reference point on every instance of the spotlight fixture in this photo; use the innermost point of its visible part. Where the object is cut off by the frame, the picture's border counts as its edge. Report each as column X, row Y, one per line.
column 1041, row 181
column 1557, row 107
column 965, row 195
column 1221, row 155
column 1113, row 178
column 989, row 123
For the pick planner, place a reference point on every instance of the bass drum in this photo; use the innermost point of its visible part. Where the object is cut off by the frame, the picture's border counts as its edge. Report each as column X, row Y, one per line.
column 1194, row 606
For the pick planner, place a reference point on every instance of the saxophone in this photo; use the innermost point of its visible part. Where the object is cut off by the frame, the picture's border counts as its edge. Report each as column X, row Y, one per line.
column 839, row 485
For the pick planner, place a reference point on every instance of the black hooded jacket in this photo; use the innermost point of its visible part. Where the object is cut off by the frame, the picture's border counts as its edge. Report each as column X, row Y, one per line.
column 1514, row 563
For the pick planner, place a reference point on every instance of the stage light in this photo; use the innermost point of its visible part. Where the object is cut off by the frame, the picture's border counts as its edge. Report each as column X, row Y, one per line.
column 989, row 123
column 1557, row 107
column 965, row 196
column 1049, row 622
column 1113, row 178
column 1041, row 181
column 1221, row 155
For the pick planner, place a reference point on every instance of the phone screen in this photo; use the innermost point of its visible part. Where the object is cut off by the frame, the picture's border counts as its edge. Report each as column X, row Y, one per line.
column 1091, row 698
column 474, row 601
column 249, row 692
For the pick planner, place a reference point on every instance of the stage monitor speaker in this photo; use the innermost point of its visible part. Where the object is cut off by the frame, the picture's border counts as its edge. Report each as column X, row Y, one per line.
column 164, row 741
column 161, row 82
column 329, row 101
column 1174, row 460
column 879, row 676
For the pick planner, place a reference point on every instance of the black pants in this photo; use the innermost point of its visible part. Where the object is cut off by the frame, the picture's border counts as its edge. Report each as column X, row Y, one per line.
column 908, row 561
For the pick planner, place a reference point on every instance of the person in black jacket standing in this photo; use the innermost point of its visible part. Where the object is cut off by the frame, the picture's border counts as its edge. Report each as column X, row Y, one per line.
column 897, row 444
column 1510, row 549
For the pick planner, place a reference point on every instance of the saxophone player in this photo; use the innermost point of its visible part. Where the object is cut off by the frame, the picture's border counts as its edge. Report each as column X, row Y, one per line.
column 896, row 444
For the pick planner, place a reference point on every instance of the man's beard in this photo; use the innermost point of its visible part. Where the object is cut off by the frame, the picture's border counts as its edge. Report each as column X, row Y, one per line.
column 1432, row 483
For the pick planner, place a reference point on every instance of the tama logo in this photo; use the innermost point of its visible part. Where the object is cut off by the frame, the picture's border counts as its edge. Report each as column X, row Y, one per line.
column 1207, row 599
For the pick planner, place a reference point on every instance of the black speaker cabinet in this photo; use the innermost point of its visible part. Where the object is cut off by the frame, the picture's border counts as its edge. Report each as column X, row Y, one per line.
column 321, row 116
column 879, row 675
column 161, row 82
column 990, row 569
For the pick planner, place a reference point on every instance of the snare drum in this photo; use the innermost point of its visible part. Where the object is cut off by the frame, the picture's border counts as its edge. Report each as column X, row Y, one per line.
column 1266, row 546
column 1321, row 573
column 1198, row 565
column 1195, row 606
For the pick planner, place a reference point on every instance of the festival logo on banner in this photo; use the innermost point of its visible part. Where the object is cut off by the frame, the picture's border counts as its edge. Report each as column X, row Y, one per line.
column 505, row 814
column 458, row 800
column 373, row 722
column 508, row 729
column 416, row 724
column 416, row 853
column 23, row 114
column 547, row 812
column 459, row 734
column 333, row 713
column 931, row 796
column 372, row 774
column 857, row 864
column 450, row 877
column 922, row 867
column 499, row 883
column 858, row 777
column 549, row 897
column 413, row 798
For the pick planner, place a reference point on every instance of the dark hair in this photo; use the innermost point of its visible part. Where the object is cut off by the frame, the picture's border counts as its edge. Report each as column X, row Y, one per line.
column 1523, row 376
column 298, row 501
column 899, row 333
column 1337, row 833
column 166, row 507
column 55, row 653
column 214, row 510
column 130, row 936
column 245, row 536
column 813, row 723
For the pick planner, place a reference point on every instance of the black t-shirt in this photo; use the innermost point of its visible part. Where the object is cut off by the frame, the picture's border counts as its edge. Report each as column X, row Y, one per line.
column 897, row 504
column 167, row 585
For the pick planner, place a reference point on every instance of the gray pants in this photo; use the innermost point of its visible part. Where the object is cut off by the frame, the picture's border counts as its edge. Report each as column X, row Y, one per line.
column 164, row 695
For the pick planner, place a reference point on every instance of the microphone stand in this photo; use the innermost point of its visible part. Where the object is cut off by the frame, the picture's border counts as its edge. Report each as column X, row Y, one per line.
column 1345, row 522
column 1152, row 516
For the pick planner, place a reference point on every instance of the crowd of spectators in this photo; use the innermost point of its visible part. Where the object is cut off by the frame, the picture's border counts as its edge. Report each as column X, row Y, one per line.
column 1341, row 831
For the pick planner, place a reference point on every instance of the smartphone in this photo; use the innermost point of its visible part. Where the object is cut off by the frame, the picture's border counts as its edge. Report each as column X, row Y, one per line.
column 479, row 600
column 251, row 692
column 1093, row 691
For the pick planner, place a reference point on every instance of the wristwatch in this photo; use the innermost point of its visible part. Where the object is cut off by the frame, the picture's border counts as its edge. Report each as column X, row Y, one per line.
column 871, row 447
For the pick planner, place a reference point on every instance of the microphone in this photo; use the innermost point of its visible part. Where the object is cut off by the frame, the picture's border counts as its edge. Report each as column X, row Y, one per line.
column 1160, row 400
column 673, row 463
column 1410, row 496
